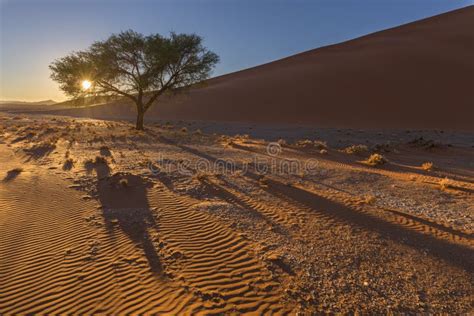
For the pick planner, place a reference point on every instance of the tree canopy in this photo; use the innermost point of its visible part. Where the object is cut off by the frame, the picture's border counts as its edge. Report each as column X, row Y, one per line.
column 135, row 66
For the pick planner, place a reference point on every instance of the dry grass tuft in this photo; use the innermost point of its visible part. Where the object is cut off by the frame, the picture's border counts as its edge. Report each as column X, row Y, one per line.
column 320, row 145
column 202, row 176
column 370, row 199
column 427, row 166
column 356, row 149
column 375, row 160
column 306, row 143
column 445, row 184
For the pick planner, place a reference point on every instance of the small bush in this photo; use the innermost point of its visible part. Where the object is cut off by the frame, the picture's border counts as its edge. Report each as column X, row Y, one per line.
column 445, row 184
column 201, row 176
column 184, row 130
column 370, row 199
column 427, row 166
column 320, row 145
column 375, row 160
column 356, row 149
column 304, row 143
column 198, row 132
column 281, row 142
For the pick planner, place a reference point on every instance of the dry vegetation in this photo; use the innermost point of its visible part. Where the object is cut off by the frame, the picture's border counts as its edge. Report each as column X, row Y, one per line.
column 375, row 160
column 341, row 237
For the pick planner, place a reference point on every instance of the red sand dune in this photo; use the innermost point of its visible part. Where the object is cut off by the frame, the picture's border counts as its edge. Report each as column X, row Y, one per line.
column 416, row 75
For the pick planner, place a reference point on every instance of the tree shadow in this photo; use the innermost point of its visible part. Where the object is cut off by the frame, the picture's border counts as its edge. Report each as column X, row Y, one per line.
column 455, row 254
column 125, row 205
column 219, row 191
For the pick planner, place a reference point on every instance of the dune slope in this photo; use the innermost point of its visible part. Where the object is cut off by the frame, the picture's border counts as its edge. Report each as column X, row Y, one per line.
column 416, row 75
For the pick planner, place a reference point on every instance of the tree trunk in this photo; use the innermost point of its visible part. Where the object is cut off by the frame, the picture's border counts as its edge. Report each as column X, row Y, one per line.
column 140, row 112
column 140, row 115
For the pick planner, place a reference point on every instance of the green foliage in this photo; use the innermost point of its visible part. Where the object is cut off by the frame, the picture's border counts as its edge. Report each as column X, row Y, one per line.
column 135, row 66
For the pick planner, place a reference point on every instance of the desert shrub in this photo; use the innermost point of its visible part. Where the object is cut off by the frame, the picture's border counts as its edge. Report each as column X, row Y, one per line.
column 370, row 199
column 427, row 166
column 184, row 130
column 445, row 184
column 375, row 160
column 304, row 143
column 198, row 132
column 202, row 176
column 320, row 145
column 356, row 149
column 281, row 142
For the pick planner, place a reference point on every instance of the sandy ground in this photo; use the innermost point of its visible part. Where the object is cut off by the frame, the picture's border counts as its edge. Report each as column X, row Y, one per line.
column 98, row 217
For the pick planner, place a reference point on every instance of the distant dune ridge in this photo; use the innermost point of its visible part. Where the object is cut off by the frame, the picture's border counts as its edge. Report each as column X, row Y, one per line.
column 419, row 75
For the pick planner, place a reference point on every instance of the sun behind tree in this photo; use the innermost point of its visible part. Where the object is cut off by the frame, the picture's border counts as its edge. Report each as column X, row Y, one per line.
column 141, row 68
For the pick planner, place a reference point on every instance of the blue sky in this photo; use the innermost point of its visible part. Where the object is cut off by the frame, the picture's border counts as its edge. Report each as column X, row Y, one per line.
column 243, row 33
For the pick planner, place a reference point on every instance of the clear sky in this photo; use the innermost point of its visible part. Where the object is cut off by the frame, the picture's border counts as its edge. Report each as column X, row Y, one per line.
column 243, row 33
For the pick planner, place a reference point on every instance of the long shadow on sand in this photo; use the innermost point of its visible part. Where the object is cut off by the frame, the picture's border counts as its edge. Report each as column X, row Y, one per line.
column 39, row 151
column 12, row 174
column 125, row 205
column 453, row 253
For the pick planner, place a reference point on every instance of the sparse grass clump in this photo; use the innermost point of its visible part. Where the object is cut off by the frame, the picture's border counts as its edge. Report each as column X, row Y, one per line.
column 356, row 149
column 202, row 176
column 306, row 143
column 427, row 166
column 263, row 181
column 445, row 184
column 375, row 160
column 370, row 199
column 281, row 142
column 320, row 145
